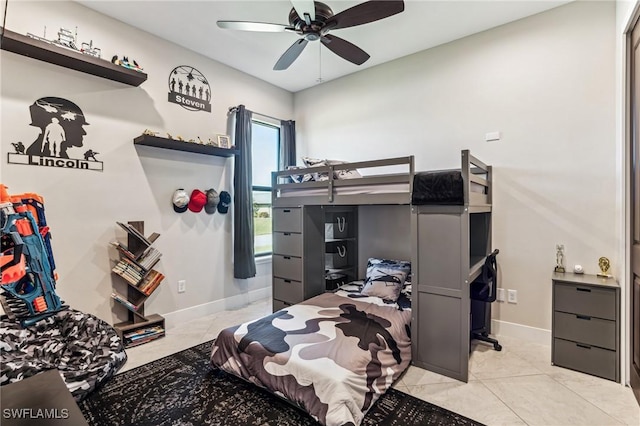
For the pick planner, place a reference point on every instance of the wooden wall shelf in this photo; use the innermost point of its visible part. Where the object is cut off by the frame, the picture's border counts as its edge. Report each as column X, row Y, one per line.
column 158, row 142
column 53, row 54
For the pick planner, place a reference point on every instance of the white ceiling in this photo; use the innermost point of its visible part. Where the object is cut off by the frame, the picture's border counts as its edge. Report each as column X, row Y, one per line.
column 422, row 25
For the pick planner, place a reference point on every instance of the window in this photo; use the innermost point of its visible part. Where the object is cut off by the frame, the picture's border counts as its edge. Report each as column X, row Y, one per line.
column 265, row 147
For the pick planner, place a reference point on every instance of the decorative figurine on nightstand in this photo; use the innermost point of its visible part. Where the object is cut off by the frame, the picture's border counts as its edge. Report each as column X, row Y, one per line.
column 150, row 132
column 577, row 269
column 559, row 258
column 604, row 265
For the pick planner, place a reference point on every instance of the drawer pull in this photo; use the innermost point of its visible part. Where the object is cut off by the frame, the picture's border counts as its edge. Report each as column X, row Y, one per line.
column 583, row 317
column 287, row 281
column 583, row 346
column 287, row 234
column 287, row 257
column 286, row 211
column 586, row 290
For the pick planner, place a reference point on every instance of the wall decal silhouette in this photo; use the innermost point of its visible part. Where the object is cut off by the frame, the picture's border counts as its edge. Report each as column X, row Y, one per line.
column 193, row 91
column 62, row 129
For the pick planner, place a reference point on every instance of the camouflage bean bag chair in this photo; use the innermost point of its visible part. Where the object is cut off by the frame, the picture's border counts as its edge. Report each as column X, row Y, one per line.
column 85, row 350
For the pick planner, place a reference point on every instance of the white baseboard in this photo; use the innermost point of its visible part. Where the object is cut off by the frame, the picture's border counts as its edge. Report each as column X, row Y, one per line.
column 524, row 332
column 199, row 311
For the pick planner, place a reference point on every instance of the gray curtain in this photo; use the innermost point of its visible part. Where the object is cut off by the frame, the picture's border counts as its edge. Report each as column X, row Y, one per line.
column 287, row 144
column 244, row 264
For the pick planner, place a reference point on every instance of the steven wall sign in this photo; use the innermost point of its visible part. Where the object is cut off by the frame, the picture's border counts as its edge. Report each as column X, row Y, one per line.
column 189, row 88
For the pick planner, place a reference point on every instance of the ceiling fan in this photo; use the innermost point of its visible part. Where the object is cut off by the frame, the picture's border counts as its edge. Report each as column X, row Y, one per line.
column 313, row 20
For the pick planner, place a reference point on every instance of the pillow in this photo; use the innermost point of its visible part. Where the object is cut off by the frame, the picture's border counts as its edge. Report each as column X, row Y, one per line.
column 307, row 177
column 315, row 162
column 343, row 174
column 385, row 278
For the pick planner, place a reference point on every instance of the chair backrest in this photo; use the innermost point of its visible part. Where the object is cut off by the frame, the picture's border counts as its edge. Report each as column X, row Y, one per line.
column 485, row 286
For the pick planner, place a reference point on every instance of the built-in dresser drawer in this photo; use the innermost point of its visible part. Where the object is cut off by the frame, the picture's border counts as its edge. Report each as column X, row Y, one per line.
column 584, row 329
column 279, row 304
column 288, row 290
column 288, row 267
column 585, row 300
column 287, row 243
column 287, row 219
column 585, row 358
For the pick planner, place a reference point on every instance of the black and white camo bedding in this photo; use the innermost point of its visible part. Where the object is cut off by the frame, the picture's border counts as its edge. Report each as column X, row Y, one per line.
column 332, row 355
column 85, row 350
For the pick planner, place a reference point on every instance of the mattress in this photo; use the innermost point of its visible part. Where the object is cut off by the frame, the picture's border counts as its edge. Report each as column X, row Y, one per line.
column 443, row 187
column 332, row 355
column 395, row 188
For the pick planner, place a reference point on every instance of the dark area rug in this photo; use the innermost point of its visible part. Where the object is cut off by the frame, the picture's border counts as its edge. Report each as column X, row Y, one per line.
column 183, row 389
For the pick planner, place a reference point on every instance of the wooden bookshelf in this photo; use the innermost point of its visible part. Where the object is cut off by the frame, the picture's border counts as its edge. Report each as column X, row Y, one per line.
column 144, row 327
column 165, row 143
column 68, row 58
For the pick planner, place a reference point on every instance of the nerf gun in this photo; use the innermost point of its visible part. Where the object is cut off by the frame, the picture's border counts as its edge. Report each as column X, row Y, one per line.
column 28, row 280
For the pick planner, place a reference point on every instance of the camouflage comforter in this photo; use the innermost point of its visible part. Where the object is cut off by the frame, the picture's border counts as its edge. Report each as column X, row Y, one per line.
column 332, row 355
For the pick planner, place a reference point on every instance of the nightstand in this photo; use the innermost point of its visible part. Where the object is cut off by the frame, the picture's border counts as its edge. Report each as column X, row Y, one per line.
column 586, row 324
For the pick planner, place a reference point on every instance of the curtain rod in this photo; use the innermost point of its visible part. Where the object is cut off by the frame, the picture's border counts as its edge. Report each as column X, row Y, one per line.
column 235, row 108
column 4, row 19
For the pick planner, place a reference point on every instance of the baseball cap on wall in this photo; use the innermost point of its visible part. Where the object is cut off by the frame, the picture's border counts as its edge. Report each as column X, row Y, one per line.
column 225, row 201
column 197, row 201
column 212, row 201
column 180, row 200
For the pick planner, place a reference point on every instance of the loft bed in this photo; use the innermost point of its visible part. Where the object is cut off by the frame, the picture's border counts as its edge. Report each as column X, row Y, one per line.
column 470, row 185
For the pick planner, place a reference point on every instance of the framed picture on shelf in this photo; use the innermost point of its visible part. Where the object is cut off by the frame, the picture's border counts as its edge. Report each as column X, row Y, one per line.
column 223, row 141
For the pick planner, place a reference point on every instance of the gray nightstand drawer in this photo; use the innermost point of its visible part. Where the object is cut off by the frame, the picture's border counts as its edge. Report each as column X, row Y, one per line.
column 288, row 290
column 287, row 243
column 585, row 300
column 288, row 267
column 588, row 359
column 584, row 329
column 287, row 219
column 279, row 304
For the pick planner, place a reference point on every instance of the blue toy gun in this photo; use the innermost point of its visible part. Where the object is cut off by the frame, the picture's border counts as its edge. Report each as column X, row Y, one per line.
column 28, row 281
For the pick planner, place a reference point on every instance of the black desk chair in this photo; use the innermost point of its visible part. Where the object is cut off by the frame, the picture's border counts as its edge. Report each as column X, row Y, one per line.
column 482, row 293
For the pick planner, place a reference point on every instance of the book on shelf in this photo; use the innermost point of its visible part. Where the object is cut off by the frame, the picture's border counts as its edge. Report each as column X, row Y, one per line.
column 123, row 300
column 123, row 250
column 133, row 231
column 149, row 258
column 128, row 277
column 150, row 282
column 143, row 332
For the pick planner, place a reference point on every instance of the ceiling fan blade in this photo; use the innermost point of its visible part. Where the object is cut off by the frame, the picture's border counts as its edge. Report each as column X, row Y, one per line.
column 290, row 55
column 364, row 13
column 344, row 49
column 254, row 26
column 303, row 7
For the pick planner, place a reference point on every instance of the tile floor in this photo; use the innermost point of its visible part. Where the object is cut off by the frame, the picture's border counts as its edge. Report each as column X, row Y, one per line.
column 517, row 386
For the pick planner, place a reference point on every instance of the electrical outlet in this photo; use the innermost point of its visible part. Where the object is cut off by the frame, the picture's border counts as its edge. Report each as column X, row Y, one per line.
column 182, row 286
column 500, row 295
column 512, row 296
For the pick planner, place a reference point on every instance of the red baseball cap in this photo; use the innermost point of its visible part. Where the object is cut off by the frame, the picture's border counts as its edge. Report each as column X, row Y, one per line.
column 197, row 201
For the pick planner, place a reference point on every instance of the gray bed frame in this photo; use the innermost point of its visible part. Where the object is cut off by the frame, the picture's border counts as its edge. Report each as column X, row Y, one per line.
column 449, row 244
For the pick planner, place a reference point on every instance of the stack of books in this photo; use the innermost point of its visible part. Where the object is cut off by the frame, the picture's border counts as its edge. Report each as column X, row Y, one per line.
column 149, row 258
column 150, row 282
column 142, row 335
column 123, row 300
column 129, row 270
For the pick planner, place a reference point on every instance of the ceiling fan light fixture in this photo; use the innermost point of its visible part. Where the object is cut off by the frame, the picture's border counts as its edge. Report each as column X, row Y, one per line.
column 313, row 20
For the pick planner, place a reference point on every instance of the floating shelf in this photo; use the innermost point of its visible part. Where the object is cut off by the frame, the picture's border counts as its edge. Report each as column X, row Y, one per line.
column 158, row 142
column 57, row 55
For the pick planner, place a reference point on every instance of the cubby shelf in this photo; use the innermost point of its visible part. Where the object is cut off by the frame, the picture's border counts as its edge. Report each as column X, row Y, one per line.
column 68, row 58
column 158, row 142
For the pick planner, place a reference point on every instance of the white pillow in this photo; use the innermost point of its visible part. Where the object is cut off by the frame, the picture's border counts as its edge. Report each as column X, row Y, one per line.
column 343, row 174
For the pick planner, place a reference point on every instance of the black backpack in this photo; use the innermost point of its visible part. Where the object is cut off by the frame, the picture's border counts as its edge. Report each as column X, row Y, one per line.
column 484, row 287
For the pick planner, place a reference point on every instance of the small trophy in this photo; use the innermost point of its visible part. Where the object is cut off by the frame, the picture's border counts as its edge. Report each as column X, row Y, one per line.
column 604, row 265
column 559, row 258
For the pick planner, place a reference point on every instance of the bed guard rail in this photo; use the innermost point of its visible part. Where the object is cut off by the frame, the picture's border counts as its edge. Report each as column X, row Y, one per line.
column 280, row 180
column 474, row 170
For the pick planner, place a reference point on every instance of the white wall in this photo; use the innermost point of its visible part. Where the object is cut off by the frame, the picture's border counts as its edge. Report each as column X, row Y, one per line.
column 137, row 183
column 547, row 83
